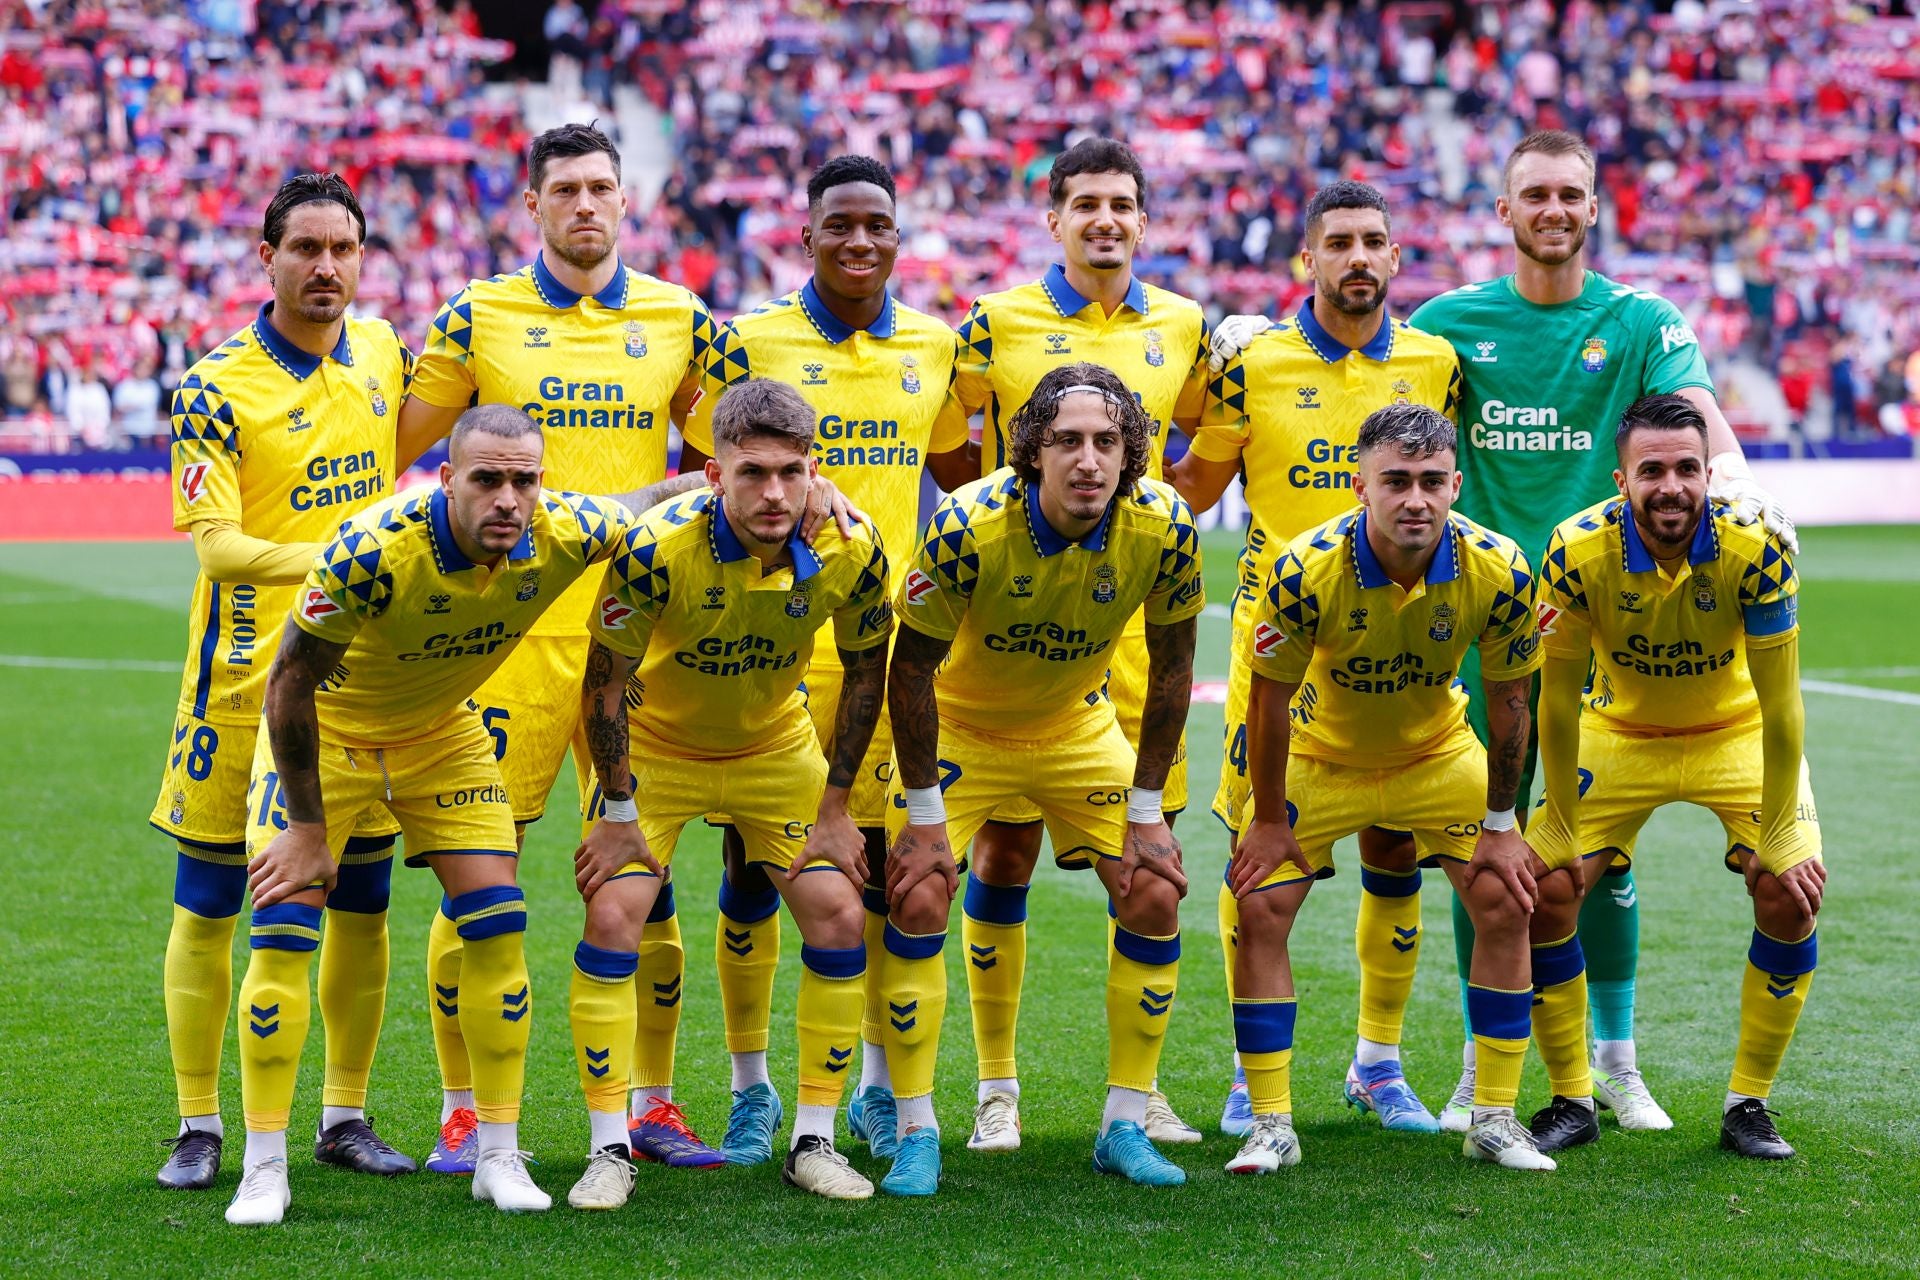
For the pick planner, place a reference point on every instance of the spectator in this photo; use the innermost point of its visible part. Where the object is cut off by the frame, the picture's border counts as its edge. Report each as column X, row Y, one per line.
column 136, row 407
column 89, row 409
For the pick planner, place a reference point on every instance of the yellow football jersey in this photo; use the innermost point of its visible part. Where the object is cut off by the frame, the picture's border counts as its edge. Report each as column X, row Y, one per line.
column 1289, row 409
column 424, row 626
column 1377, row 665
column 1669, row 645
column 285, row 445
column 599, row 374
column 723, row 641
column 1156, row 342
column 1034, row 617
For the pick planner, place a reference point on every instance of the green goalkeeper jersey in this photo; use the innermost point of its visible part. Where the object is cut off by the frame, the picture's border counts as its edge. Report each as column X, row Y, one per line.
column 1545, row 387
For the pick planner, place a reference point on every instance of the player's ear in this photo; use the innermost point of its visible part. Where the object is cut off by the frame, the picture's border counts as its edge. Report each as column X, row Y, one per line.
column 532, row 199
column 1620, row 481
column 266, row 255
column 1503, row 210
column 713, row 473
column 1393, row 259
column 446, row 474
column 1053, row 223
column 806, row 238
column 1457, row 477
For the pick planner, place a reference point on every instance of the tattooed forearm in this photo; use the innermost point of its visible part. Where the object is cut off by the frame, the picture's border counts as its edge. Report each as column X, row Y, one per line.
column 604, row 713
column 655, row 494
column 913, row 706
column 1508, row 724
column 293, row 726
column 861, row 693
column 1169, row 690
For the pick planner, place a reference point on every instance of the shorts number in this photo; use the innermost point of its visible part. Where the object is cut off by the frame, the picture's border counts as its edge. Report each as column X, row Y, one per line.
column 1237, row 750
column 498, row 732
column 200, row 755
column 273, row 803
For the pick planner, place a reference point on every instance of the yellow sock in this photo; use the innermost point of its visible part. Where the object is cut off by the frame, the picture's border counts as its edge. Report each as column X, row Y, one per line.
column 832, row 990
column 601, row 1010
column 993, row 924
column 275, row 1010
column 496, row 1000
column 1499, row 1021
column 199, row 985
column 746, row 950
column 1263, row 1036
column 1560, row 1016
column 1386, row 938
column 443, row 1000
column 656, row 1023
column 1143, row 974
column 353, row 1002
column 1772, row 995
column 914, row 1005
column 1229, row 909
column 873, row 935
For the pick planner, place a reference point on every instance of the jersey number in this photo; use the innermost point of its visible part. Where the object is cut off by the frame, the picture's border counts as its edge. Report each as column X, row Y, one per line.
column 199, row 753
column 1237, row 750
column 273, row 803
column 498, row 732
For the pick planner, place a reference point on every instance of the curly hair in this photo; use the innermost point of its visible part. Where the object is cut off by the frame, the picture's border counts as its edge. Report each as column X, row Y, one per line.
column 1031, row 428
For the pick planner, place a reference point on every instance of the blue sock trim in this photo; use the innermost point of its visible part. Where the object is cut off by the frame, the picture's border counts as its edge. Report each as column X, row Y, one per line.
column 608, row 966
column 1389, row 884
column 835, row 962
column 1001, row 904
column 1144, row 950
column 746, row 908
column 1262, row 1026
column 286, row 913
column 874, row 900
column 1558, row 963
column 1788, row 959
column 467, row 907
column 363, row 888
column 910, row 946
column 662, row 906
column 212, row 890
column 446, row 906
column 1499, row 1015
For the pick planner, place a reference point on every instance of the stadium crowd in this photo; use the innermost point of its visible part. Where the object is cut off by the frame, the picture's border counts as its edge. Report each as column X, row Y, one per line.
column 1759, row 161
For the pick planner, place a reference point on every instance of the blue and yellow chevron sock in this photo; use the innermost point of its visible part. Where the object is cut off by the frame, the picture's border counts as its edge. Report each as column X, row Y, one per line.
column 828, row 1019
column 1386, row 938
column 746, row 950
column 913, row 1006
column 993, row 925
column 1772, row 994
column 1263, row 1036
column 353, row 971
column 1499, row 1021
column 496, row 1000
column 1560, row 1016
column 1143, row 975
column 443, row 1000
column 600, row 1010
column 657, row 987
column 275, row 1010
column 198, row 976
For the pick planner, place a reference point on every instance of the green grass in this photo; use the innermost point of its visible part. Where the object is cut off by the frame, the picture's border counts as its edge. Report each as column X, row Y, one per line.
column 85, row 1089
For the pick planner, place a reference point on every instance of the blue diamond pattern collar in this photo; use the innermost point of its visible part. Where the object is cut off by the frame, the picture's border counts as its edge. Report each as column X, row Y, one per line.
column 1444, row 567
column 1706, row 542
column 1332, row 350
column 560, row 298
column 727, row 547
column 447, row 555
column 1050, row 542
column 1067, row 300
column 300, row 365
column 832, row 327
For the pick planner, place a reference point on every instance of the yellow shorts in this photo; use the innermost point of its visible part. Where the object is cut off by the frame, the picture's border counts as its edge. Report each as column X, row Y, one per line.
column 770, row 797
column 1625, row 777
column 531, row 710
column 1127, row 687
column 446, row 794
column 1440, row 799
column 203, row 793
column 1076, row 781
column 868, row 803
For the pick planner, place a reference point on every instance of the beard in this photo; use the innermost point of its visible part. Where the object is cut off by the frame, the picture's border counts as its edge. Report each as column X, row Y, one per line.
column 1357, row 306
column 1653, row 514
column 579, row 258
column 1525, row 242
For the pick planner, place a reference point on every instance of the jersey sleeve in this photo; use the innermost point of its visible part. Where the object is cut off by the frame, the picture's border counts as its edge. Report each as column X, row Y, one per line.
column 602, row 522
column 635, row 593
column 1510, row 637
column 1288, row 620
column 1769, row 596
column 1455, row 388
column 1179, row 587
column 938, row 588
column 866, row 619
column 206, row 455
column 1224, row 425
column 950, row 425
column 350, row 584
column 724, row 363
column 973, row 360
column 1560, row 589
column 1193, row 392
column 443, row 375
column 1674, row 358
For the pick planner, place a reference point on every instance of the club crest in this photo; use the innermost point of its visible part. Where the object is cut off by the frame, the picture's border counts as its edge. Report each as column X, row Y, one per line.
column 636, row 339
column 1440, row 626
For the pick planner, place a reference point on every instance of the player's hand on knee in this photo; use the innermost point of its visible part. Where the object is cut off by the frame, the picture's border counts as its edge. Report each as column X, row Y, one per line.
column 608, row 847
column 1258, row 854
column 1730, row 480
column 824, row 502
column 1150, row 846
column 1805, row 884
column 295, row 860
column 1505, row 856
column 1231, row 336
column 920, row 852
column 835, row 839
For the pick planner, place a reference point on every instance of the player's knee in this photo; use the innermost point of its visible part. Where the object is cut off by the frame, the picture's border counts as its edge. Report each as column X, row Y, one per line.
column 1266, row 917
column 211, row 890
column 1776, row 912
column 1495, row 909
column 364, row 888
column 834, row 925
column 618, row 911
column 1388, row 850
column 1556, row 910
column 1006, row 853
column 924, row 910
column 1151, row 906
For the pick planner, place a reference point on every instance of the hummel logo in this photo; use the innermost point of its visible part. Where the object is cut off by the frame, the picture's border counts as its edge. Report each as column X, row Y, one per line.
column 1486, row 350
column 1629, row 602
column 537, row 336
column 1057, row 344
column 715, row 598
column 298, row 420
column 816, row 375
column 1357, row 620
column 1022, row 586
column 439, row 602
column 1308, row 397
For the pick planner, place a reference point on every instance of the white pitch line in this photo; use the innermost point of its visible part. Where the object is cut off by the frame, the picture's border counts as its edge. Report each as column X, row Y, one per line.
column 1861, row 691
column 1863, row 673
column 84, row 664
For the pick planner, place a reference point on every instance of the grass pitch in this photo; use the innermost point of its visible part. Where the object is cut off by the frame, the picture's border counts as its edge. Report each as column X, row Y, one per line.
column 91, row 638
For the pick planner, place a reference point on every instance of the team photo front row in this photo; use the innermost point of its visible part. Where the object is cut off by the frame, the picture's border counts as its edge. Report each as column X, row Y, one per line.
column 968, row 683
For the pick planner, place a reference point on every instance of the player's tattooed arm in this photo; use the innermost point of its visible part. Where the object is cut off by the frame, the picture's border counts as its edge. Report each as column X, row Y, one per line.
column 863, row 691
column 293, row 725
column 1169, row 691
column 1507, row 725
column 914, row 706
column 603, row 709
column 653, row 495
